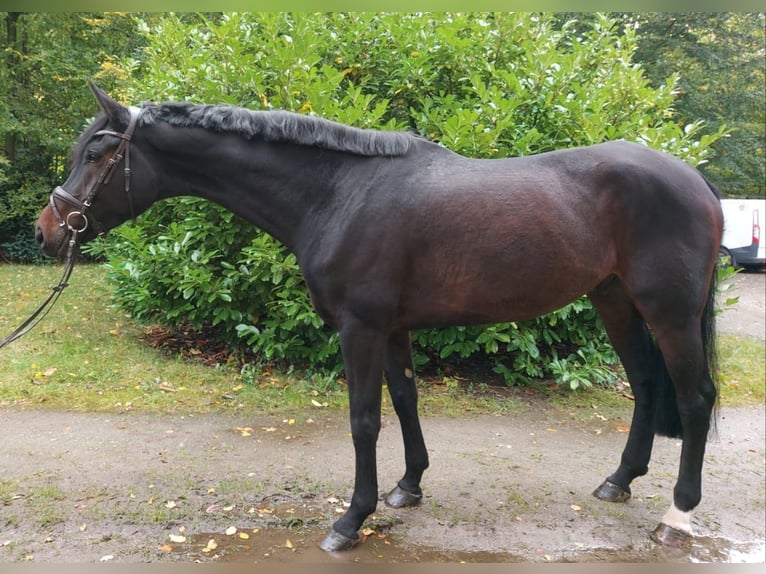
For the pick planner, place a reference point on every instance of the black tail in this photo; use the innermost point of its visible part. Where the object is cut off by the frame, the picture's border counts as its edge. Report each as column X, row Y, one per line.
column 667, row 420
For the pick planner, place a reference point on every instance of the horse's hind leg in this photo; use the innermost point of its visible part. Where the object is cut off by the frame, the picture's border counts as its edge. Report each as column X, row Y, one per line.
column 681, row 315
column 684, row 352
column 404, row 394
column 640, row 357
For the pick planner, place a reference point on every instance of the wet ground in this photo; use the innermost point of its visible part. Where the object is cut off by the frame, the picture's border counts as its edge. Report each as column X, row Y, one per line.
column 240, row 488
column 135, row 488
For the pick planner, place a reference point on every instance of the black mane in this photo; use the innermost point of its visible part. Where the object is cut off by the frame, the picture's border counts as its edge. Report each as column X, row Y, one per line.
column 279, row 126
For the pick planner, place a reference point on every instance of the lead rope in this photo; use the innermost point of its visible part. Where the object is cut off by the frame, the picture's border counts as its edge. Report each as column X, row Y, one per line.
column 40, row 313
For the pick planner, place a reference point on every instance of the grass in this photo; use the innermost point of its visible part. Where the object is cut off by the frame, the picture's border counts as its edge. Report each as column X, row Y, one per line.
column 743, row 370
column 87, row 355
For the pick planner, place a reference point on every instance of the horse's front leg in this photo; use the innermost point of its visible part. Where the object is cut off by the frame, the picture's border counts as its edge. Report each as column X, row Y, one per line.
column 404, row 394
column 364, row 351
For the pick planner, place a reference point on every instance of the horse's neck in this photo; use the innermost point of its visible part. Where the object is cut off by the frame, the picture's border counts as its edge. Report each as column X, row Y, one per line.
column 271, row 185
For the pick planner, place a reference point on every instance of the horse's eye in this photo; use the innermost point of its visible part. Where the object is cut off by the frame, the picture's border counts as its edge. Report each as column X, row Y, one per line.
column 91, row 156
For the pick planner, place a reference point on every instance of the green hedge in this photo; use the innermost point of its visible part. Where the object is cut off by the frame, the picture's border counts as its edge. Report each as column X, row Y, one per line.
column 484, row 85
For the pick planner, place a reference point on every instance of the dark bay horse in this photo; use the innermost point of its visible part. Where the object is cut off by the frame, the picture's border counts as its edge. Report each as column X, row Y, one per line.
column 393, row 232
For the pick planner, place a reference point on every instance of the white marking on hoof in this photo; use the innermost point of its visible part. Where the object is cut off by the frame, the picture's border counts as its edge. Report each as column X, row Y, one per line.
column 408, row 373
column 678, row 519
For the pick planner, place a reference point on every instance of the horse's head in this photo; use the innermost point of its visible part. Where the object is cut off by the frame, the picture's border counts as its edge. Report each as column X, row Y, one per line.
column 110, row 181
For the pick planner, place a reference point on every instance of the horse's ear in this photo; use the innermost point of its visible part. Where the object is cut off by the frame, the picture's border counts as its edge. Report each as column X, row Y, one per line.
column 119, row 115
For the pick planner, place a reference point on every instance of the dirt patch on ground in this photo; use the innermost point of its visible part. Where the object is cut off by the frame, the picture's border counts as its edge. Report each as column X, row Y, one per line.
column 135, row 488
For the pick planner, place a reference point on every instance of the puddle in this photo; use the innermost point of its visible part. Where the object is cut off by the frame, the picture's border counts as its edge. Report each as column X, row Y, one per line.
column 300, row 545
column 710, row 549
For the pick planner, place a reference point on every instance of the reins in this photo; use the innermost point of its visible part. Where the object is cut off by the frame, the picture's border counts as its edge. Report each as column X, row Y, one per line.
column 81, row 206
column 40, row 313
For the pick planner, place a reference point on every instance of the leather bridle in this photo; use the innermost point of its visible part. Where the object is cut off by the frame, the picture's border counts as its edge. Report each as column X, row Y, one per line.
column 80, row 209
column 81, row 206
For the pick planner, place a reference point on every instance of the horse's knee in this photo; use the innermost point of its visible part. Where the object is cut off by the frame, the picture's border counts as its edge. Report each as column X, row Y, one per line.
column 365, row 428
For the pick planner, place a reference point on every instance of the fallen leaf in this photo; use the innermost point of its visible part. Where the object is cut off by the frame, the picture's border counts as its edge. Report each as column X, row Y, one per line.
column 211, row 545
column 244, row 535
column 575, row 508
column 245, row 431
column 83, row 527
column 228, row 508
column 622, row 428
column 170, row 504
column 368, row 532
column 106, row 558
column 289, row 544
column 178, row 539
column 231, row 531
column 165, row 548
column 49, row 371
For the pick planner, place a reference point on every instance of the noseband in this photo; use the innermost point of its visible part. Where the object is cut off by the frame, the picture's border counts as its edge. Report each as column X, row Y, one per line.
column 81, row 206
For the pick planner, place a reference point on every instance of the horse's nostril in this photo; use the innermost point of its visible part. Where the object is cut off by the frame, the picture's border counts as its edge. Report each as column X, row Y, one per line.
column 39, row 236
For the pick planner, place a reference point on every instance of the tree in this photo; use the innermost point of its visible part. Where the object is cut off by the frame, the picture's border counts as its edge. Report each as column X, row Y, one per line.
column 48, row 58
column 720, row 59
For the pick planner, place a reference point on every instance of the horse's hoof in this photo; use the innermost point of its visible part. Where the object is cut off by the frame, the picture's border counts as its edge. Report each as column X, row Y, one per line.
column 610, row 492
column 337, row 542
column 669, row 536
column 400, row 498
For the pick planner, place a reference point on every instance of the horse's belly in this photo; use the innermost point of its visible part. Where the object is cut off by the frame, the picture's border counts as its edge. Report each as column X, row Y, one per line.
column 475, row 303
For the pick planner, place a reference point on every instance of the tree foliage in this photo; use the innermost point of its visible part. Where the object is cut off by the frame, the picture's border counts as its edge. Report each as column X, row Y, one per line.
column 720, row 59
column 484, row 85
column 43, row 105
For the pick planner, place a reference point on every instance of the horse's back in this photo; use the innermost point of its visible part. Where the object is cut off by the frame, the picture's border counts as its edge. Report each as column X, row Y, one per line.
column 452, row 240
